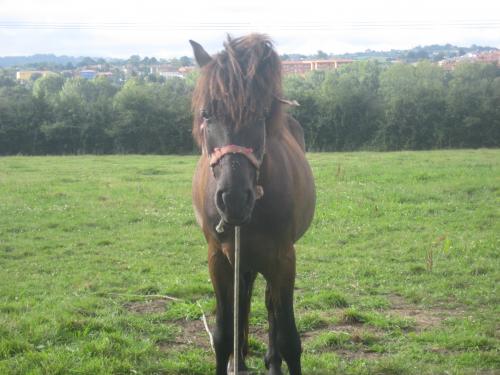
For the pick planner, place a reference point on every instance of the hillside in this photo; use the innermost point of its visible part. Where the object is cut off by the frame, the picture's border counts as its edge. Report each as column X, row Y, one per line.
column 8, row 61
column 433, row 52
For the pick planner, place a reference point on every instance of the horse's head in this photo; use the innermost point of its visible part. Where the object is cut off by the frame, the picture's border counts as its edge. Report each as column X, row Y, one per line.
column 235, row 158
column 232, row 104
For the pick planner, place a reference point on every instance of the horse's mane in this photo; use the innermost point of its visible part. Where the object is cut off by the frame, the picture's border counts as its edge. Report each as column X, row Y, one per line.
column 240, row 83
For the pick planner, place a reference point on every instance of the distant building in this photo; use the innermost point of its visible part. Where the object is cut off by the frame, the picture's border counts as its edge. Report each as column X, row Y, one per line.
column 302, row 67
column 168, row 75
column 166, row 71
column 161, row 68
column 186, row 69
column 87, row 74
column 489, row 57
column 105, row 74
column 447, row 64
column 25, row 75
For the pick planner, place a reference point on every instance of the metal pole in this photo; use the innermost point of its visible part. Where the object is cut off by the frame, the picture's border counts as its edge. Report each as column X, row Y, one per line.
column 236, row 307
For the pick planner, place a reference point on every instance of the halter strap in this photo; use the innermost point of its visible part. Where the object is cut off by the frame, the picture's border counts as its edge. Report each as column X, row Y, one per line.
column 220, row 152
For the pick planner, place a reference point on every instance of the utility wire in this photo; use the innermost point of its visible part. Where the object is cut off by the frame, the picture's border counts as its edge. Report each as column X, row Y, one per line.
column 235, row 26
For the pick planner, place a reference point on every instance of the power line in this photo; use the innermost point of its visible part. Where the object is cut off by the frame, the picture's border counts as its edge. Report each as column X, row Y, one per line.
column 237, row 26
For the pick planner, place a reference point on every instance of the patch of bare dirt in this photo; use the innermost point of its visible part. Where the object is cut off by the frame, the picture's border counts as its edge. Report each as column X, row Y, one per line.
column 259, row 333
column 424, row 318
column 352, row 355
column 356, row 332
column 147, row 307
column 191, row 333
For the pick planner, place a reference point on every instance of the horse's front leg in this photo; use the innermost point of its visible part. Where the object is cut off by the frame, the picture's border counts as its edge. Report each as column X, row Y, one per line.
column 283, row 334
column 246, row 287
column 273, row 357
column 221, row 274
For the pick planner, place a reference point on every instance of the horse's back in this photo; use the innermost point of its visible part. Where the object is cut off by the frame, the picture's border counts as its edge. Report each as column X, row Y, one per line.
column 297, row 131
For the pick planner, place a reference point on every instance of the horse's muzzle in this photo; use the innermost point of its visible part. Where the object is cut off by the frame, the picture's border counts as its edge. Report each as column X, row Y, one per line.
column 235, row 206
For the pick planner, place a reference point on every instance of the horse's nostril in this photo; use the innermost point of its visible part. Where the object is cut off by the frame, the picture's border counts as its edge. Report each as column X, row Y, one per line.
column 220, row 200
column 226, row 198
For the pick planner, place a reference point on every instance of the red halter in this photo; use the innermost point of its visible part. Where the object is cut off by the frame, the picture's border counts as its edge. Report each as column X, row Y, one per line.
column 219, row 152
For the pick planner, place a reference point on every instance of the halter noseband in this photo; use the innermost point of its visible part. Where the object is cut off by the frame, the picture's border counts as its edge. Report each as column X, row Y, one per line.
column 219, row 153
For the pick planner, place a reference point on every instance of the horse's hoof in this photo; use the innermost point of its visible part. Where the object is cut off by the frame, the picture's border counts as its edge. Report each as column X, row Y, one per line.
column 242, row 371
column 273, row 370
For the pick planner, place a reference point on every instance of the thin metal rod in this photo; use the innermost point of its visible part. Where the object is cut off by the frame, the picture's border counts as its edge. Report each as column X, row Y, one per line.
column 236, row 307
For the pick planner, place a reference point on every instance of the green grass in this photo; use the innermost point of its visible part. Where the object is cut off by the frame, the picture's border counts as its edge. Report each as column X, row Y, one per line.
column 397, row 275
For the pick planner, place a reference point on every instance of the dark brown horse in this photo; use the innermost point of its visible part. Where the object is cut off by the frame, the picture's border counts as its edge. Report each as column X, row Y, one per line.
column 252, row 173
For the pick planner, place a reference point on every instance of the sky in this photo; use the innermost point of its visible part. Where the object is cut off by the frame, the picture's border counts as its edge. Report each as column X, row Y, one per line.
column 112, row 28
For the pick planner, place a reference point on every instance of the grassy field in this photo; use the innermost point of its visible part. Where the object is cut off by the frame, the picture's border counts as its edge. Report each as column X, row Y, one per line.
column 397, row 275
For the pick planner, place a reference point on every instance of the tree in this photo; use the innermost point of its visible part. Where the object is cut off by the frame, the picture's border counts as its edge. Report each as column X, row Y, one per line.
column 304, row 91
column 86, row 61
column 350, row 106
column 321, row 55
column 83, row 115
column 175, row 63
column 48, row 87
column 63, row 134
column 186, row 61
column 7, row 78
column 361, row 105
column 153, row 118
column 134, row 60
column 413, row 98
column 473, row 102
column 19, row 121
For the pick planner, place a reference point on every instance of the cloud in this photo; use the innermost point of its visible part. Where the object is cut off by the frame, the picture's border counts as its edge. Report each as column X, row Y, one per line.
column 152, row 28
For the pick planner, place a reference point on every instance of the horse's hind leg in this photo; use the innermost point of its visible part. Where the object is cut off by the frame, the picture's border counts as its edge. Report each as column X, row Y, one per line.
column 282, row 324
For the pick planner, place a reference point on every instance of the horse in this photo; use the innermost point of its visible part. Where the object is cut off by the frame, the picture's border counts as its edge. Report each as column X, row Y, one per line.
column 252, row 173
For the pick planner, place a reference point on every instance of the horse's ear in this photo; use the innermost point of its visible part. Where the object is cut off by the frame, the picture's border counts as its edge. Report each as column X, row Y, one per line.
column 201, row 56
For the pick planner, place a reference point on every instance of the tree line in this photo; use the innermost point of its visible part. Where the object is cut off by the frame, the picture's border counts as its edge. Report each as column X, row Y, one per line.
column 372, row 106
column 364, row 105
